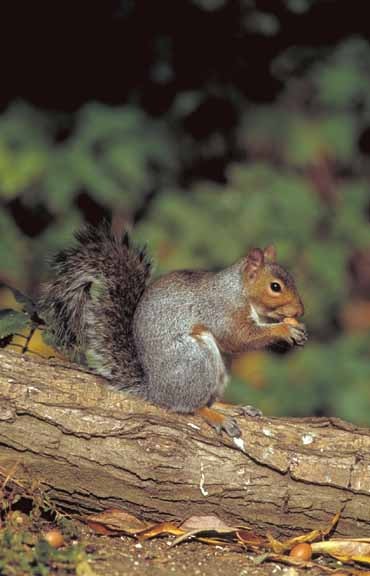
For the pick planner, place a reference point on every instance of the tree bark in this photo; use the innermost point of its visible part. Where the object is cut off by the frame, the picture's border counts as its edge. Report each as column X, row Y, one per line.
column 93, row 448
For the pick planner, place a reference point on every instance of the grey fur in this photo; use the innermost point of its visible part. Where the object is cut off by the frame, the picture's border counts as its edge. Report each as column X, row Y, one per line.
column 183, row 372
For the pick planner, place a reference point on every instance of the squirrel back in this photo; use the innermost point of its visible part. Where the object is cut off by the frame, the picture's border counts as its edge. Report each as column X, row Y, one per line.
column 89, row 303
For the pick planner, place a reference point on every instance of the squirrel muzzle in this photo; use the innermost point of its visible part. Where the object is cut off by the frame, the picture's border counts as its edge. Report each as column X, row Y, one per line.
column 291, row 310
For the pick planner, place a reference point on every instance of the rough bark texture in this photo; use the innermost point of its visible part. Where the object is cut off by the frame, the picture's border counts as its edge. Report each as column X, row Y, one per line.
column 94, row 448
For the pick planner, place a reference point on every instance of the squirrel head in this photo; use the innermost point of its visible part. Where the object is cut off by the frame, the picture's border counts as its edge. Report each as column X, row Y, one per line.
column 271, row 290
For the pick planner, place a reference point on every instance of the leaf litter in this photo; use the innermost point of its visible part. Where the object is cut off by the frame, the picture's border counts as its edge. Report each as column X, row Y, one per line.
column 213, row 530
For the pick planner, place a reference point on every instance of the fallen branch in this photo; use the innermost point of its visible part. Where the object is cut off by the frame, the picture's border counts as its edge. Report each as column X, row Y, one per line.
column 93, row 448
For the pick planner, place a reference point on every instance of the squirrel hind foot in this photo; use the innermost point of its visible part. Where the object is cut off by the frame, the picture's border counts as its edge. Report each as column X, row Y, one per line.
column 219, row 422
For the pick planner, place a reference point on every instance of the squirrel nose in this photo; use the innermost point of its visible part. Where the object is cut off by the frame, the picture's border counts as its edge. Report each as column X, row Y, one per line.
column 294, row 310
column 299, row 310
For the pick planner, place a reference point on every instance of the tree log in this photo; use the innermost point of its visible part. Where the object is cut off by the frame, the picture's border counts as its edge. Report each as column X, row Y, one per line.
column 93, row 448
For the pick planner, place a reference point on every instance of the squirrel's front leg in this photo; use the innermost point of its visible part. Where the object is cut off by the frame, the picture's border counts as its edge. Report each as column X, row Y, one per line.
column 254, row 332
column 263, row 334
column 250, row 330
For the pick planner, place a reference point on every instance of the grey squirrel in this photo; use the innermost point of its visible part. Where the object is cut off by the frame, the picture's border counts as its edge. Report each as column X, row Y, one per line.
column 168, row 341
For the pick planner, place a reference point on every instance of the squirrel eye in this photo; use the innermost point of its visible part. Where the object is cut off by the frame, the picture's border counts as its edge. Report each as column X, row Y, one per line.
column 275, row 287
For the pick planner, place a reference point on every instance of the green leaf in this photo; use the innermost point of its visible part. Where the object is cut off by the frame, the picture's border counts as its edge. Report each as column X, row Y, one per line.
column 24, row 151
column 342, row 79
column 13, row 249
column 12, row 321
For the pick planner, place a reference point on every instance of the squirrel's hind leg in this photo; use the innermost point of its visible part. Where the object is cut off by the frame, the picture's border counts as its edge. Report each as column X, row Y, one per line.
column 218, row 421
column 191, row 373
column 190, row 377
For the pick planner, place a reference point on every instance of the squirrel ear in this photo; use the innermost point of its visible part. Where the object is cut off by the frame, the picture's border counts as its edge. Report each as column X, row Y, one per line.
column 253, row 261
column 270, row 253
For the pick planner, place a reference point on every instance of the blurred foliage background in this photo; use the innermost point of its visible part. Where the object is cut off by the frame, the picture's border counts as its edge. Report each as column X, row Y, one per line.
column 207, row 127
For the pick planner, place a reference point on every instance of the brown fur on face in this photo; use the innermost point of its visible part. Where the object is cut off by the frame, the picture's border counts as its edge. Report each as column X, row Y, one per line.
column 259, row 273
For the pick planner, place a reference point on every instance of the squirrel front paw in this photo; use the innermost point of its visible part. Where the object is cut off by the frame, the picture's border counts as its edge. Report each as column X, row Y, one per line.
column 297, row 332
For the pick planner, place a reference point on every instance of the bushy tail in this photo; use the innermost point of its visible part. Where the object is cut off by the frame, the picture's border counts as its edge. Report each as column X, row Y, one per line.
column 89, row 304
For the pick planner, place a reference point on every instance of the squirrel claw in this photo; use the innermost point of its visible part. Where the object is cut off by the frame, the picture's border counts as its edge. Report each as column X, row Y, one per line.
column 250, row 411
column 298, row 334
column 231, row 428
